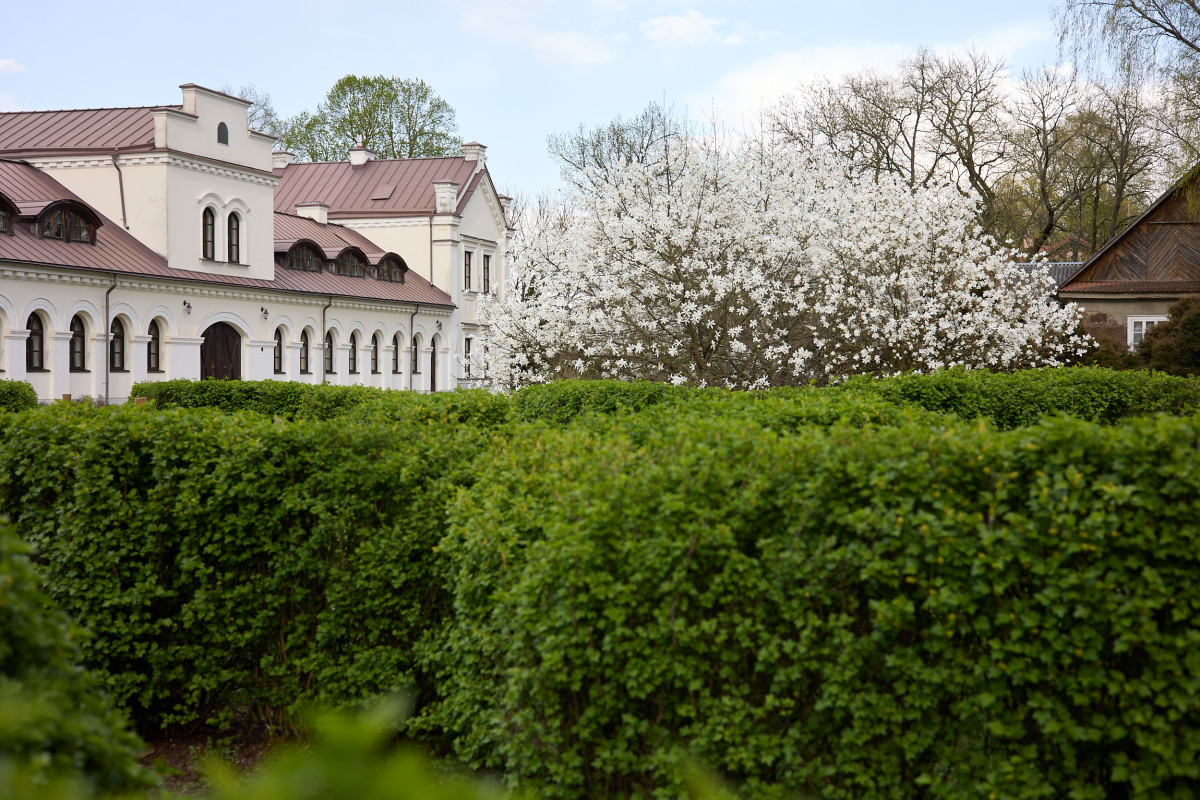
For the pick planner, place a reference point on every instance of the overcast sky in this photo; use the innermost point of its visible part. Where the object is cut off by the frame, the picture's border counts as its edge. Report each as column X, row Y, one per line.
column 516, row 71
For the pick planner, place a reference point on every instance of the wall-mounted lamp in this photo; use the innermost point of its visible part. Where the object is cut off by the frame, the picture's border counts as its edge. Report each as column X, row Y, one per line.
column 439, row 324
column 187, row 306
column 263, row 309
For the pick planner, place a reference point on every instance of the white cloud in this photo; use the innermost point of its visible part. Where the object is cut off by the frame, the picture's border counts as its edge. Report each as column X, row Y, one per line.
column 743, row 92
column 8, row 104
column 10, row 66
column 691, row 28
column 518, row 23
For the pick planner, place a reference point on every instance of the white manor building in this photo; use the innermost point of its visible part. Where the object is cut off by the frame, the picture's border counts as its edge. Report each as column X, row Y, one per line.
column 168, row 242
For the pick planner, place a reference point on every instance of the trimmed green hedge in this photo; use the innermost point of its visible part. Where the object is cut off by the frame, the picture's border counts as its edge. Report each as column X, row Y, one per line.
column 1017, row 399
column 879, row 613
column 54, row 722
column 227, row 562
column 17, row 396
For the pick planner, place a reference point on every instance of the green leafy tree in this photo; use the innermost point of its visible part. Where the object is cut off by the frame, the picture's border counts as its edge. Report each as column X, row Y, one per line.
column 394, row 117
column 1174, row 346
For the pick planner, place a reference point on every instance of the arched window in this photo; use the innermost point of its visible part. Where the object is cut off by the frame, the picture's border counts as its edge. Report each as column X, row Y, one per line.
column 352, row 360
column 279, row 351
column 235, row 238
column 153, row 348
column 302, row 256
column 116, row 347
column 209, row 233
column 416, row 361
column 329, row 354
column 351, row 263
column 35, row 345
column 375, row 354
column 396, row 354
column 391, row 269
column 78, row 345
column 467, row 356
column 68, row 225
column 222, row 133
column 304, row 353
column 433, row 366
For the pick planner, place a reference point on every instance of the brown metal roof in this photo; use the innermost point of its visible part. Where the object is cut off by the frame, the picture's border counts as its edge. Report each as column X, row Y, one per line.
column 363, row 191
column 28, row 133
column 117, row 251
column 333, row 239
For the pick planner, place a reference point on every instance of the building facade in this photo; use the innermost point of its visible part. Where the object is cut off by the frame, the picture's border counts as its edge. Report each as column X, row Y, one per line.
column 150, row 243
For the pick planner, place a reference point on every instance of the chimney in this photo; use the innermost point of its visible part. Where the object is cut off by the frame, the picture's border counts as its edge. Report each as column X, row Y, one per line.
column 446, row 193
column 360, row 155
column 281, row 158
column 474, row 151
column 313, row 210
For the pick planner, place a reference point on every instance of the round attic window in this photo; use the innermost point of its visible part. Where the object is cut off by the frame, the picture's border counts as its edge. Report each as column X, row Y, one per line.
column 222, row 134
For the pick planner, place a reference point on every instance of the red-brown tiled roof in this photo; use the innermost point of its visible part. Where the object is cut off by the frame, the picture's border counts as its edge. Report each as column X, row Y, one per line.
column 30, row 133
column 333, row 239
column 348, row 190
column 290, row 228
column 1125, row 287
column 117, row 251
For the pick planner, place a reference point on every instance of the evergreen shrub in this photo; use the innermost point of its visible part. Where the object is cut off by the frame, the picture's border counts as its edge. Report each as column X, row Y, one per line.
column 1017, row 399
column 56, row 725
column 228, row 562
column 17, row 396
column 877, row 613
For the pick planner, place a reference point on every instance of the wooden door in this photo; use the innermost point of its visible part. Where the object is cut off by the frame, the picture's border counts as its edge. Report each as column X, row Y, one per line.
column 221, row 353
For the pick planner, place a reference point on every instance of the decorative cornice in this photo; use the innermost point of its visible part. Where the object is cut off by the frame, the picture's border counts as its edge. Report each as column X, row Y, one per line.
column 394, row 222
column 171, row 158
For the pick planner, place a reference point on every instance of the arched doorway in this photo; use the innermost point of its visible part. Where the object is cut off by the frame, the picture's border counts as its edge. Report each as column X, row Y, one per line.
column 221, row 352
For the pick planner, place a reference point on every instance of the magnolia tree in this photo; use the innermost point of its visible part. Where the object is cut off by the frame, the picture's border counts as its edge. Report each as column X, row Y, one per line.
column 753, row 264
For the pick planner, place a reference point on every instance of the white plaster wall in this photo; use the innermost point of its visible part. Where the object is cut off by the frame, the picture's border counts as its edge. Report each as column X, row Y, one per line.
column 189, row 192
column 59, row 294
column 407, row 238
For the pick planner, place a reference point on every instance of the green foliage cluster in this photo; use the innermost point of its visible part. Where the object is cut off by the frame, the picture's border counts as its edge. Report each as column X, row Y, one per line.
column 1017, row 399
column 1174, row 346
column 237, row 562
column 56, row 725
column 17, row 396
column 850, row 591
column 885, row 612
column 299, row 401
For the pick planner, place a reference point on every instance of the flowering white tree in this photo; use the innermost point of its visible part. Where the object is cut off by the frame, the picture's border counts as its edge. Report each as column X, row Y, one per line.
column 752, row 263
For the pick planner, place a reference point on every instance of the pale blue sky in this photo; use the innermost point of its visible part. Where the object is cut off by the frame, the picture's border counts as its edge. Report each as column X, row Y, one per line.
column 515, row 71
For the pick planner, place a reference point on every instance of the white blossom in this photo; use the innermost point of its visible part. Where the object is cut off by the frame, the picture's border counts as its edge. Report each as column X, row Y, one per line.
column 753, row 264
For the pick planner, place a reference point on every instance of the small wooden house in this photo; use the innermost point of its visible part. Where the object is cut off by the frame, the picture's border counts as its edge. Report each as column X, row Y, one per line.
column 1138, row 274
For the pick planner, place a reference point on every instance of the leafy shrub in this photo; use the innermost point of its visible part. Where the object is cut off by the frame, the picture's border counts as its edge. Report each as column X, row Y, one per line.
column 55, row 723
column 227, row 562
column 871, row 613
column 1017, row 399
column 17, row 396
column 562, row 401
column 1174, row 346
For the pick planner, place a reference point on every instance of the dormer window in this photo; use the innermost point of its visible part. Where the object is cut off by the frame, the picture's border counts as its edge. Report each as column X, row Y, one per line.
column 351, row 263
column 68, row 225
column 222, row 133
column 304, row 257
column 392, row 269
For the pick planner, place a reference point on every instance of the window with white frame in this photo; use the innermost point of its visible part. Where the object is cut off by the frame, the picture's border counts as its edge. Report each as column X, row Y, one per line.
column 467, row 271
column 487, row 273
column 467, row 354
column 1138, row 327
